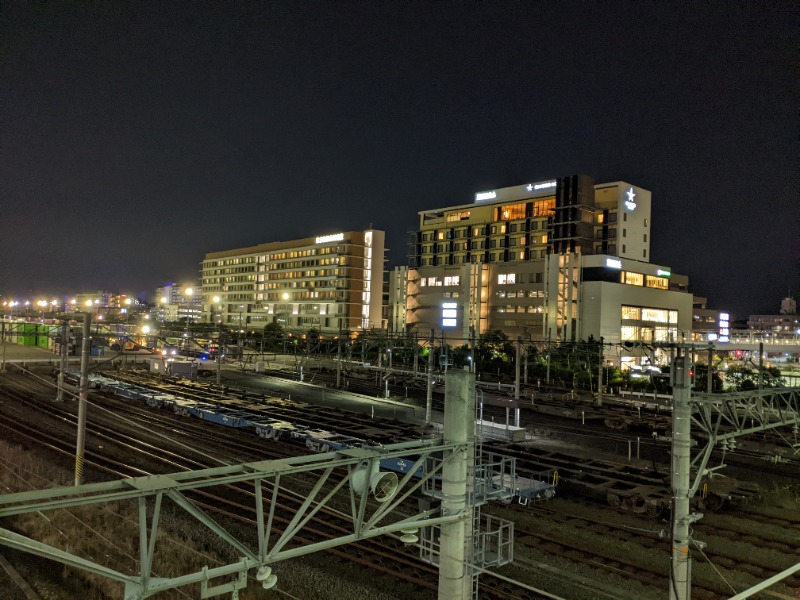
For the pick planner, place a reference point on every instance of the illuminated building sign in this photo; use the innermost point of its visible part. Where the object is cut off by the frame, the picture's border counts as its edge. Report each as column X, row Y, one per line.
column 541, row 186
column 485, row 196
column 614, row 263
column 449, row 314
column 663, row 273
column 336, row 237
column 630, row 203
column 724, row 327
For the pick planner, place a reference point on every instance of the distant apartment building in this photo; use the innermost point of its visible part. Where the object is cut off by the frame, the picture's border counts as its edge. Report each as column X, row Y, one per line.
column 175, row 302
column 330, row 283
column 561, row 259
column 786, row 323
column 709, row 325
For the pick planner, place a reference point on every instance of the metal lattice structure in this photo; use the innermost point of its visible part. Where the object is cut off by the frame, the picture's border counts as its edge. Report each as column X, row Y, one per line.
column 723, row 417
column 354, row 470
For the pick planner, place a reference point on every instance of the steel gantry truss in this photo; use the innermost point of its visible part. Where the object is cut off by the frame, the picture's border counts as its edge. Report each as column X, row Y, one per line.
column 354, row 469
column 723, row 417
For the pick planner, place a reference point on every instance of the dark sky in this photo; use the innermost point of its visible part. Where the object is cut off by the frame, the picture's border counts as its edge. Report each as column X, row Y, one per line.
column 136, row 137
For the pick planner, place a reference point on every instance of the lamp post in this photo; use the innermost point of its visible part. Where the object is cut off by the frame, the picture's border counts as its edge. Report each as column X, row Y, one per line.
column 188, row 292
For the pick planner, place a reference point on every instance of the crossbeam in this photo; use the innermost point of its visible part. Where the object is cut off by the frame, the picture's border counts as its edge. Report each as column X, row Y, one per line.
column 337, row 469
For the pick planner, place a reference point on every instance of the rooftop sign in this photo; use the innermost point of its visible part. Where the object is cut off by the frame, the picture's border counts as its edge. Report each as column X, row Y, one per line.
column 335, row 237
column 485, row 196
column 541, row 186
column 630, row 203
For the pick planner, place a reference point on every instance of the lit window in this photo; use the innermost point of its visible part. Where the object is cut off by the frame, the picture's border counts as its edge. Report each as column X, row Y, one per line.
column 661, row 283
column 631, row 313
column 633, row 278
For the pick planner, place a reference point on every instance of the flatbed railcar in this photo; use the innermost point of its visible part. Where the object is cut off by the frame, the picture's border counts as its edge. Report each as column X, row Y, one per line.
column 251, row 415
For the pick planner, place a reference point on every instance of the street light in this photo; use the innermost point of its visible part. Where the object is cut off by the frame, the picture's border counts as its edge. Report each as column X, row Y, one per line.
column 188, row 292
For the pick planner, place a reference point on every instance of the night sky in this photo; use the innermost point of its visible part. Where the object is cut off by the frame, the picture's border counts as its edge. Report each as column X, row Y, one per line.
column 136, row 137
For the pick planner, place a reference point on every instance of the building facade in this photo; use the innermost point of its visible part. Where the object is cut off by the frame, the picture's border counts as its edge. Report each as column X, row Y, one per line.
column 562, row 259
column 178, row 303
column 329, row 283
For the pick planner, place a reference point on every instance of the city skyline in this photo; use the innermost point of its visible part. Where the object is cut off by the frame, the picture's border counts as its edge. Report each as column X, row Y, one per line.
column 138, row 139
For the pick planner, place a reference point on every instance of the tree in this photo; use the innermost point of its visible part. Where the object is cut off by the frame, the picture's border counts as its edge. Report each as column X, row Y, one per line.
column 494, row 352
column 273, row 337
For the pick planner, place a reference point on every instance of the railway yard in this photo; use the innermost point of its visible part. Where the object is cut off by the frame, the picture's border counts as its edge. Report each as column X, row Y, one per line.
column 604, row 533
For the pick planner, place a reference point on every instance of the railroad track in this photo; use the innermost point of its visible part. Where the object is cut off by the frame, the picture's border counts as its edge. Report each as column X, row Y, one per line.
column 222, row 437
column 596, row 532
column 385, row 555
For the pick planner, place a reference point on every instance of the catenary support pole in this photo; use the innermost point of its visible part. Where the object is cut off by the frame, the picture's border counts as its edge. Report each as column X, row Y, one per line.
column 601, row 358
column 82, row 398
column 429, row 389
column 547, row 376
column 3, row 365
column 455, row 570
column 517, row 368
column 760, row 365
column 680, row 585
column 710, row 375
column 63, row 366
column 416, row 355
column 338, row 363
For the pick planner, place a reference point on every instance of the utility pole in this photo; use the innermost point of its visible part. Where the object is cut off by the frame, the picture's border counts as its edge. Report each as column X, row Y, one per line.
column 82, row 398
column 709, row 376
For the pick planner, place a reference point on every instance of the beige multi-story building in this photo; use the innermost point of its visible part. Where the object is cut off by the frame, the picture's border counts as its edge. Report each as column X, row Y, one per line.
column 562, row 259
column 178, row 302
column 330, row 283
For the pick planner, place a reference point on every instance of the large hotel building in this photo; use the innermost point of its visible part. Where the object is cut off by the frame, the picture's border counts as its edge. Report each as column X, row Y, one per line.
column 562, row 259
column 332, row 283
